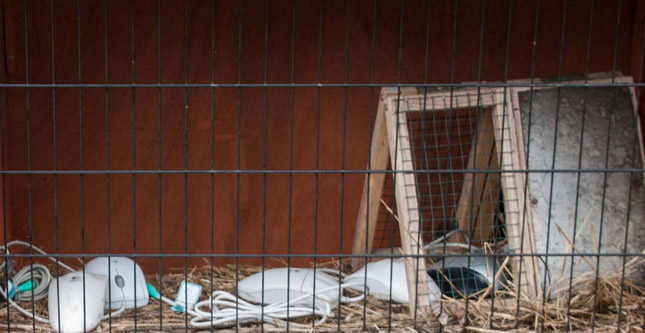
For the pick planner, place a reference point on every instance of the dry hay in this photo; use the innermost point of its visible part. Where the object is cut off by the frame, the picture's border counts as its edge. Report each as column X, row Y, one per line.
column 586, row 309
column 375, row 312
column 504, row 312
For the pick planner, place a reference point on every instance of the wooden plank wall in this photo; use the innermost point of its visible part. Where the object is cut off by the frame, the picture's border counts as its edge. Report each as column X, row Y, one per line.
column 257, row 203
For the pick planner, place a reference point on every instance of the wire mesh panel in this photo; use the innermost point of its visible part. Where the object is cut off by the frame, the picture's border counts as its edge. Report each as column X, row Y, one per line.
column 455, row 140
column 290, row 165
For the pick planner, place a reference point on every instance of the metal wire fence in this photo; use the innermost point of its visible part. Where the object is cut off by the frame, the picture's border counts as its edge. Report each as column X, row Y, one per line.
column 493, row 150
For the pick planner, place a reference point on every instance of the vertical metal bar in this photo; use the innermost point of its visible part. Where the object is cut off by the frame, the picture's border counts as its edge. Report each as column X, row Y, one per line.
column 500, row 149
column 342, row 175
column 580, row 150
column 212, row 139
column 5, row 283
column 449, row 127
column 316, row 174
column 393, row 162
column 159, row 127
column 291, row 121
column 186, row 162
column 451, row 108
column 369, row 156
column 31, row 252
column 423, row 140
column 107, row 159
column 528, row 150
column 80, row 139
column 422, row 119
column 53, row 45
column 134, row 159
column 264, row 149
column 479, row 116
column 604, row 185
column 239, row 148
column 635, row 155
column 553, row 158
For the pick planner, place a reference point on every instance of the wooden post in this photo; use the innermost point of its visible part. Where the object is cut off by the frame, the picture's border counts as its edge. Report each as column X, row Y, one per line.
column 407, row 207
column 519, row 224
column 373, row 187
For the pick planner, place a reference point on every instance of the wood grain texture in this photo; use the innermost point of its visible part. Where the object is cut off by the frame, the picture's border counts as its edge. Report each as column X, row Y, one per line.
column 519, row 221
column 407, row 204
column 160, row 224
column 372, row 190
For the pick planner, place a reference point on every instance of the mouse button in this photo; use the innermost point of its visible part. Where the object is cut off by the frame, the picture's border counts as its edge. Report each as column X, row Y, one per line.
column 120, row 281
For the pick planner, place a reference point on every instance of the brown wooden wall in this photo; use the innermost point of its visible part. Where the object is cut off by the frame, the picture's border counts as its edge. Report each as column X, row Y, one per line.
column 162, row 206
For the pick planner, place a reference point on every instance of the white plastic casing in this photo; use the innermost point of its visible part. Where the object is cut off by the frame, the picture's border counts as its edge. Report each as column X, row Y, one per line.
column 378, row 281
column 132, row 276
column 70, row 307
column 298, row 282
column 188, row 291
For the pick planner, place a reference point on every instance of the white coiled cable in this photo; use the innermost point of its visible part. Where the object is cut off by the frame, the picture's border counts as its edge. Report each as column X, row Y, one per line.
column 39, row 271
column 224, row 309
column 43, row 278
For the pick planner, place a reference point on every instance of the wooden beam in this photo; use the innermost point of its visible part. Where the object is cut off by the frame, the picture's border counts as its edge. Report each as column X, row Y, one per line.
column 408, row 208
column 446, row 100
column 518, row 220
column 373, row 188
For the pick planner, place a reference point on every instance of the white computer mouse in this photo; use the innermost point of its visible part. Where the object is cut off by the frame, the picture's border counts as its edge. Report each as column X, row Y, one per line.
column 125, row 277
column 297, row 281
column 75, row 302
column 379, row 277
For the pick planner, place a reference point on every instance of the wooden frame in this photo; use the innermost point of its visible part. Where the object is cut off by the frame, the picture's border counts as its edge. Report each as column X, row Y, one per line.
column 510, row 156
column 386, row 147
column 391, row 135
column 519, row 223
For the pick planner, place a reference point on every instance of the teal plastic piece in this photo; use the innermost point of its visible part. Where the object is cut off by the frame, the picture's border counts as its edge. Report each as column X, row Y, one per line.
column 27, row 285
column 178, row 308
column 152, row 291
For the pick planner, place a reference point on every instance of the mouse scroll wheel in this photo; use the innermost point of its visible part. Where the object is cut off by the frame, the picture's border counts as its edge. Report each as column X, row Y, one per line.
column 119, row 281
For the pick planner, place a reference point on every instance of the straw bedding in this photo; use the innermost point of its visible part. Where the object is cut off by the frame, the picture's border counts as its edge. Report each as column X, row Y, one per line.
column 504, row 312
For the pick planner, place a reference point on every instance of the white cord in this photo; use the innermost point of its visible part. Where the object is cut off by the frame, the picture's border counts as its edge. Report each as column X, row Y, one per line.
column 25, row 244
column 117, row 312
column 41, row 272
column 225, row 309
column 41, row 276
column 27, row 271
